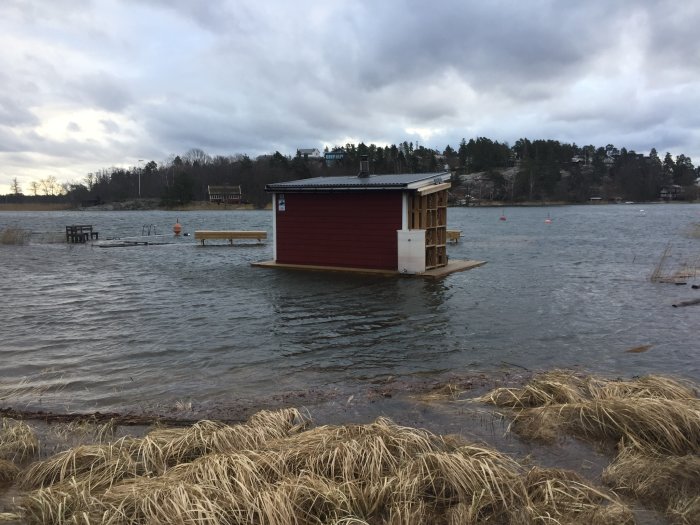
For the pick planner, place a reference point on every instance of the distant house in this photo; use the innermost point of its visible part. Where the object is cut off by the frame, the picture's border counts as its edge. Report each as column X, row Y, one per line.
column 225, row 194
column 334, row 156
column 309, row 153
column 671, row 193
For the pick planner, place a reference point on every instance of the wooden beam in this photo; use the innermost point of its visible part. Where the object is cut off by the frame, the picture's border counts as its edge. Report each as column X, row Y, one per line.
column 426, row 190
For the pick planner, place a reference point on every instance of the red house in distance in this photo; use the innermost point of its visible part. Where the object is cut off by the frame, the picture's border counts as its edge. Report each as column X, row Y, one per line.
column 388, row 224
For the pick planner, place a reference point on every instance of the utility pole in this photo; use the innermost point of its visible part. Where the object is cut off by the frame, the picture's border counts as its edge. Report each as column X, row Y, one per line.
column 139, row 168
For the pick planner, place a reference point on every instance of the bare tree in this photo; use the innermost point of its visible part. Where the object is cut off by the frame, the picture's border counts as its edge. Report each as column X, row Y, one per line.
column 34, row 187
column 49, row 185
column 16, row 189
column 196, row 156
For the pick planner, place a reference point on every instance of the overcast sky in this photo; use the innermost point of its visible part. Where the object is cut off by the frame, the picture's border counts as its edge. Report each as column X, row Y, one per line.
column 90, row 84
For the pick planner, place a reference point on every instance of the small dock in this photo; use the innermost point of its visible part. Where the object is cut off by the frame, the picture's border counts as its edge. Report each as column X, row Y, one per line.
column 228, row 235
column 80, row 233
column 143, row 240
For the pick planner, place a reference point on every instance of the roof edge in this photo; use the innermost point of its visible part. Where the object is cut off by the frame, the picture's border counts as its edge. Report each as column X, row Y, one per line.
column 352, row 184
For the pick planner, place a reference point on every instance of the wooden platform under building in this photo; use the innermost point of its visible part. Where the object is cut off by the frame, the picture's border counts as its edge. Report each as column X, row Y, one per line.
column 228, row 235
column 454, row 265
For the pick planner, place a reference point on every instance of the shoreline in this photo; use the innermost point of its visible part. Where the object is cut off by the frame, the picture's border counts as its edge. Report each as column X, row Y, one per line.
column 506, row 421
column 375, row 398
column 151, row 205
column 143, row 205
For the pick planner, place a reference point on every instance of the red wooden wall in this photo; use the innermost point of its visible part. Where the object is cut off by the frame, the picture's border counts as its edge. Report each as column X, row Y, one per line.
column 353, row 229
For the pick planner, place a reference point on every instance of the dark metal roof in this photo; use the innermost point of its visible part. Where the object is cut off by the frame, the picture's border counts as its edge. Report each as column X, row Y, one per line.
column 353, row 182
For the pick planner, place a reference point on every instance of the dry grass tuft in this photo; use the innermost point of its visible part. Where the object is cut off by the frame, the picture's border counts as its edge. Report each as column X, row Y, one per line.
column 17, row 440
column 14, row 236
column 240, row 474
column 564, row 496
column 663, row 425
column 61, row 503
column 9, row 517
column 548, row 388
column 304, row 499
column 164, row 448
column 469, row 474
column 352, row 452
column 448, row 391
column 654, row 420
column 661, row 481
column 271, row 470
column 160, row 500
column 285, row 422
column 351, row 520
column 410, row 513
column 542, row 424
column 652, row 386
column 651, row 411
column 561, row 387
column 84, row 430
column 99, row 465
column 685, row 511
column 8, row 471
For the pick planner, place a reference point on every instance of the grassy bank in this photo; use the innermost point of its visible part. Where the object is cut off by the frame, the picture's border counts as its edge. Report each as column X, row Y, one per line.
column 35, row 207
column 132, row 205
column 279, row 468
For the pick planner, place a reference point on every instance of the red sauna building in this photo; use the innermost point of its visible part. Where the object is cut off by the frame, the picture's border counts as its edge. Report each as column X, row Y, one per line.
column 393, row 223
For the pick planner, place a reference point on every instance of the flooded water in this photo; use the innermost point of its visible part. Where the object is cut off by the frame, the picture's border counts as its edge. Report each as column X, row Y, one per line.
column 86, row 328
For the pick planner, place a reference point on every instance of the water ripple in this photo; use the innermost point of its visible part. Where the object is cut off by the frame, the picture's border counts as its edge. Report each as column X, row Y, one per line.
column 107, row 329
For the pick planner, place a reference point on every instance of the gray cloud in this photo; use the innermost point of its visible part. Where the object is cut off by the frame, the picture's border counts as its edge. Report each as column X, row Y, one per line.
column 162, row 77
column 109, row 126
column 100, row 90
column 13, row 114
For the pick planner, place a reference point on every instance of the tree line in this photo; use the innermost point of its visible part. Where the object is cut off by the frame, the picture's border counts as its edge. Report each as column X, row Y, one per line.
column 483, row 169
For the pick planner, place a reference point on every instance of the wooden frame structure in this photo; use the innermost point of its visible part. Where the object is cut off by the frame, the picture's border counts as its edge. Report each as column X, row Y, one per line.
column 428, row 211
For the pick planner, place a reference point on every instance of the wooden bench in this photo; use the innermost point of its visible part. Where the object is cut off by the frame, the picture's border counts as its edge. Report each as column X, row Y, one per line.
column 228, row 235
column 453, row 236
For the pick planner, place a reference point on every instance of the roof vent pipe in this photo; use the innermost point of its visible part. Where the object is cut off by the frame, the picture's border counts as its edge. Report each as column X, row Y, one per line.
column 364, row 167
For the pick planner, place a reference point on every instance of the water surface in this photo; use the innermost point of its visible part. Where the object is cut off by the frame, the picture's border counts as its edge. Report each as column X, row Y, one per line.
column 87, row 328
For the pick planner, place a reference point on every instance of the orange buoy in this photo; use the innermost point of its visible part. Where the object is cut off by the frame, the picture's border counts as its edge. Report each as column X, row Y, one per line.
column 177, row 228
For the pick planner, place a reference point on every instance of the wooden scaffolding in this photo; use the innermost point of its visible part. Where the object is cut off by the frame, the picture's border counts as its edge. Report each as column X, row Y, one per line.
column 428, row 211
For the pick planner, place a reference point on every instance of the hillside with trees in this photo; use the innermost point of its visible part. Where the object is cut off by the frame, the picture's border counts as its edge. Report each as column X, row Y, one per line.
column 483, row 170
